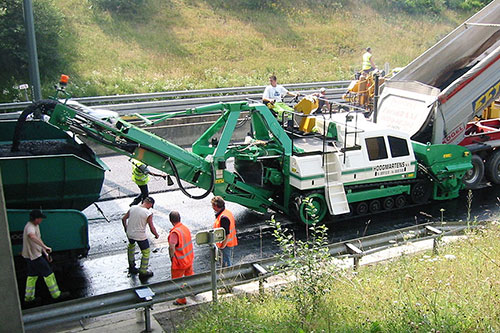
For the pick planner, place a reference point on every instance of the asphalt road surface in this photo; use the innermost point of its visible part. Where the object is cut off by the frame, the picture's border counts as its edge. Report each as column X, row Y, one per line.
column 105, row 269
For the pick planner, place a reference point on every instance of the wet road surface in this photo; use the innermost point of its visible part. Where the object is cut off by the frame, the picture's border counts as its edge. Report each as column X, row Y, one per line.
column 105, row 269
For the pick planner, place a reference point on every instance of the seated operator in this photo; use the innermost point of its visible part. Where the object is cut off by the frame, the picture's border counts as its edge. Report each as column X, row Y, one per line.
column 322, row 101
column 275, row 92
column 272, row 98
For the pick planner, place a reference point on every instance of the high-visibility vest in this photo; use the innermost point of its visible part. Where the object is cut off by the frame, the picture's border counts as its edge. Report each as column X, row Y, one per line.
column 231, row 238
column 366, row 60
column 139, row 176
column 183, row 255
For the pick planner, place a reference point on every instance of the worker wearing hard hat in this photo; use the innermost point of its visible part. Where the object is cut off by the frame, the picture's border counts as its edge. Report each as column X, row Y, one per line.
column 368, row 64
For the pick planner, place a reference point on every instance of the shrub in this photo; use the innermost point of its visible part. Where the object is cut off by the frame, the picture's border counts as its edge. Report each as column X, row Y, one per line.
column 120, row 6
column 49, row 22
column 467, row 5
column 309, row 262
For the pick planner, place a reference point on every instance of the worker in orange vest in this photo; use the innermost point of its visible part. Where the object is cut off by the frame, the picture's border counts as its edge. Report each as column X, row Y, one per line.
column 180, row 248
column 225, row 219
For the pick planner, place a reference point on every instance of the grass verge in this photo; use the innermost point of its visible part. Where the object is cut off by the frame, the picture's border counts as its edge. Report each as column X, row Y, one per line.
column 456, row 291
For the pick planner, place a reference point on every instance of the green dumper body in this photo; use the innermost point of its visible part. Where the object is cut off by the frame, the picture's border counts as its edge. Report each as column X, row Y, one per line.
column 51, row 171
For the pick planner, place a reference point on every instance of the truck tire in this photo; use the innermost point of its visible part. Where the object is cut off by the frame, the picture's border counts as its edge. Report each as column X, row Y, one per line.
column 493, row 167
column 473, row 177
column 318, row 201
column 420, row 192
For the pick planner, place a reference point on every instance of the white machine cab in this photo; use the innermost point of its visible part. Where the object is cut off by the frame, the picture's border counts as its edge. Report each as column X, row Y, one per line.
column 355, row 151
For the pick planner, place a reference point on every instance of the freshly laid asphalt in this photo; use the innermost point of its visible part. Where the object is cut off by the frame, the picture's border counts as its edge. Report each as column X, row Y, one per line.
column 105, row 269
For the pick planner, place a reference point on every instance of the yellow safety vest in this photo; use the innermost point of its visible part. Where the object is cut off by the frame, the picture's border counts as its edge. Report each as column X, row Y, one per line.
column 366, row 60
column 138, row 176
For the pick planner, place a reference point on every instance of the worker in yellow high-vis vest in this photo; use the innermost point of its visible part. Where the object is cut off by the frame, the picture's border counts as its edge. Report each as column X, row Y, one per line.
column 368, row 64
column 37, row 257
column 140, row 176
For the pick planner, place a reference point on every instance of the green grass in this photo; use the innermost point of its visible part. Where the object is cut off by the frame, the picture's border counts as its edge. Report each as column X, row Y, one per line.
column 456, row 291
column 192, row 44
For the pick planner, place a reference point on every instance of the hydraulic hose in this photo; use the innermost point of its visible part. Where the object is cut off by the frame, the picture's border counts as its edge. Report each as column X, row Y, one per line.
column 181, row 187
column 43, row 106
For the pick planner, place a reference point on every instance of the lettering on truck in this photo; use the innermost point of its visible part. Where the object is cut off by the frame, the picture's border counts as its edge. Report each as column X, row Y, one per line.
column 390, row 168
column 454, row 134
column 485, row 99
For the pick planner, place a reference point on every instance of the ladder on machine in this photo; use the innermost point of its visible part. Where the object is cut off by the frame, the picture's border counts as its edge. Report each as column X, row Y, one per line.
column 336, row 198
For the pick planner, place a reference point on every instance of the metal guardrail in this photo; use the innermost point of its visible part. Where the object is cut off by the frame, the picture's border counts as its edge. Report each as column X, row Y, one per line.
column 210, row 95
column 79, row 309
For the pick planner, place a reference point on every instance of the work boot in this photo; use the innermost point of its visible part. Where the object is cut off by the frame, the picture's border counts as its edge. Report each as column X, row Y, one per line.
column 145, row 275
column 37, row 301
column 65, row 295
column 133, row 270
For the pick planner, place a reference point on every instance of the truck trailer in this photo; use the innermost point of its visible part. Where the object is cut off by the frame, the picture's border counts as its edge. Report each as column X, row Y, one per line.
column 438, row 95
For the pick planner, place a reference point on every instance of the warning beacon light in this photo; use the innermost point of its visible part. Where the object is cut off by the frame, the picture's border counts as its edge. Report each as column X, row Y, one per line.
column 64, row 80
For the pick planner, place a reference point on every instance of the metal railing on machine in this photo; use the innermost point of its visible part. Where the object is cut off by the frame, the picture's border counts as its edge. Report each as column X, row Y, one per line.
column 170, row 100
column 79, row 309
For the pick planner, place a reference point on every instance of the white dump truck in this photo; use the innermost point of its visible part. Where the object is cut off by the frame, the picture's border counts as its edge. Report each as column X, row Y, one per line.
column 437, row 96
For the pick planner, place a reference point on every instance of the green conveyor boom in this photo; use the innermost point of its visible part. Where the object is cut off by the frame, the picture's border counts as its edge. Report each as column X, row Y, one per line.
column 205, row 166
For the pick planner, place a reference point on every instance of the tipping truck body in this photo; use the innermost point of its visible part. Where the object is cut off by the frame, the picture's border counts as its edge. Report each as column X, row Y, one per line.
column 54, row 172
column 436, row 97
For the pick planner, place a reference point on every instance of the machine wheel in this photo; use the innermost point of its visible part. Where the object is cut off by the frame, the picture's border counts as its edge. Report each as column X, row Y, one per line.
column 493, row 167
column 420, row 192
column 319, row 202
column 375, row 206
column 362, row 208
column 388, row 203
column 400, row 201
column 473, row 177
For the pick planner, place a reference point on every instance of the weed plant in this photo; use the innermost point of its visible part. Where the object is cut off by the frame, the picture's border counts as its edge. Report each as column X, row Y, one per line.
column 308, row 261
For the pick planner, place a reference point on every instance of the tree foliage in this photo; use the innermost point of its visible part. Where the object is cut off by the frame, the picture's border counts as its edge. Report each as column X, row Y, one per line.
column 49, row 23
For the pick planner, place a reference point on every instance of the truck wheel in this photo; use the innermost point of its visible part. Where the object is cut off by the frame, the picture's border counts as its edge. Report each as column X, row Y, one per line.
column 420, row 192
column 400, row 201
column 362, row 208
column 375, row 206
column 388, row 203
column 318, row 201
column 493, row 167
column 474, row 176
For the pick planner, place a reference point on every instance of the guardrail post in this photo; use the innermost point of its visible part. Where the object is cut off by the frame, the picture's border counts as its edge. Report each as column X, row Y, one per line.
column 356, row 254
column 261, row 272
column 147, row 318
column 435, row 241
column 213, row 270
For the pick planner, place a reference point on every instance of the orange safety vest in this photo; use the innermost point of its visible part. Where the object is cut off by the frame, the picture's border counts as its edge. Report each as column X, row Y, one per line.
column 232, row 240
column 183, row 255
